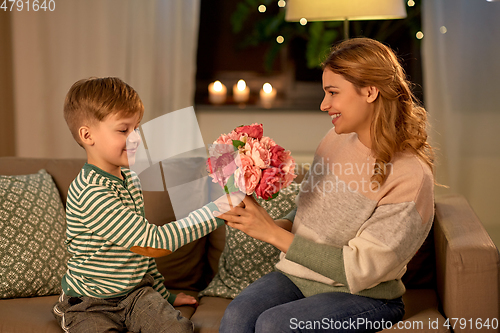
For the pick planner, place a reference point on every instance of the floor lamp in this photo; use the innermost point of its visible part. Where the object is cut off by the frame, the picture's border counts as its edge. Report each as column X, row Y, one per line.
column 344, row 10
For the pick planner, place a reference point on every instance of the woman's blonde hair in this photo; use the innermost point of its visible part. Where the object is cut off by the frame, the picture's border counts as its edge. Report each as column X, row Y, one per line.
column 399, row 122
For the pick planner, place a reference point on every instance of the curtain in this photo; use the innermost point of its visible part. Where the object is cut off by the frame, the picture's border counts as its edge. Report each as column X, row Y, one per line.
column 7, row 136
column 461, row 61
column 149, row 44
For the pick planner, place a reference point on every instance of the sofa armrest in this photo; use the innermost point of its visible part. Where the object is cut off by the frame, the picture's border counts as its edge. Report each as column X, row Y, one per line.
column 467, row 264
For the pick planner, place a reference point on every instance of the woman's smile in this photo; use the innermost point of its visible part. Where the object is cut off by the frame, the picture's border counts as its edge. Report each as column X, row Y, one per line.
column 335, row 117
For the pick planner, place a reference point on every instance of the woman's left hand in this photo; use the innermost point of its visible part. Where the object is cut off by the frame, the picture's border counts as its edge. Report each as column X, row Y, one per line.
column 254, row 220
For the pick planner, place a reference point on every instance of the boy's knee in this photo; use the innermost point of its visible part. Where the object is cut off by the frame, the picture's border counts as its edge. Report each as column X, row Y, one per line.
column 181, row 325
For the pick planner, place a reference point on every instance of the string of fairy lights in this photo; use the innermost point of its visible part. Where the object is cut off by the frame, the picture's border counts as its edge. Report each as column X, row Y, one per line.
column 303, row 21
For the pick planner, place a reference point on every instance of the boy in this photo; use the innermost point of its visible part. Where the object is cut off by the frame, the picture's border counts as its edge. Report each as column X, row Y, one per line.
column 112, row 282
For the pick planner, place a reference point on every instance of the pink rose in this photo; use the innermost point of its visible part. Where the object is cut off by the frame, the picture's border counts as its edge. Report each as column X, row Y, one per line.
column 209, row 165
column 255, row 130
column 222, row 167
column 247, row 176
column 288, row 171
column 227, row 139
column 284, row 161
column 267, row 141
column 259, row 153
column 281, row 158
column 237, row 136
column 278, row 155
column 224, row 139
column 270, row 183
column 218, row 149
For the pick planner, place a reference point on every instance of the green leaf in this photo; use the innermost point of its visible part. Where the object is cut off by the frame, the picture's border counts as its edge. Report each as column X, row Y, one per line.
column 238, row 143
column 230, row 186
column 239, row 17
column 322, row 36
column 273, row 27
column 273, row 196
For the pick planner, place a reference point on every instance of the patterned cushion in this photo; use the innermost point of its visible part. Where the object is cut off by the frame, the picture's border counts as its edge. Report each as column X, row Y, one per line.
column 245, row 259
column 32, row 231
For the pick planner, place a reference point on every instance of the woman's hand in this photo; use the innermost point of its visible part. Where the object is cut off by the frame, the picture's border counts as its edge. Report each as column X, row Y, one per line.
column 183, row 299
column 254, row 220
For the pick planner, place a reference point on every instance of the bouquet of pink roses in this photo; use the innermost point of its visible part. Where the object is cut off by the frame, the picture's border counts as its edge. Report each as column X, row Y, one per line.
column 247, row 161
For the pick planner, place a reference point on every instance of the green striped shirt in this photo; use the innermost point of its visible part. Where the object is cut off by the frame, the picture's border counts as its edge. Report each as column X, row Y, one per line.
column 105, row 218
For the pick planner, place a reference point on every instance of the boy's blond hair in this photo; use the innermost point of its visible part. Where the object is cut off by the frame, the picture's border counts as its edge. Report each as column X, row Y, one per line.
column 91, row 100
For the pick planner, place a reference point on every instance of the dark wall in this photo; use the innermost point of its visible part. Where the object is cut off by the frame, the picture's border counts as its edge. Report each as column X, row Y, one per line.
column 219, row 48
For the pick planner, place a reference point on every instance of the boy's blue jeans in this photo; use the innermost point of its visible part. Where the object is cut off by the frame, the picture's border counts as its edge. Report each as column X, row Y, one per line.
column 142, row 310
column 275, row 304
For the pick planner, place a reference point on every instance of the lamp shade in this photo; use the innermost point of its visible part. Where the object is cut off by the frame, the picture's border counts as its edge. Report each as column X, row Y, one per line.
column 339, row 10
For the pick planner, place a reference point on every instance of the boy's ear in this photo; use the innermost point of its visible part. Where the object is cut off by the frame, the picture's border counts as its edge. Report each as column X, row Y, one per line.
column 85, row 136
column 372, row 94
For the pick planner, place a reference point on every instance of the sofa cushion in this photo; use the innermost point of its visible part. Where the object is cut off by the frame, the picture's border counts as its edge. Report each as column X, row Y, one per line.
column 32, row 232
column 421, row 313
column 245, row 259
column 209, row 314
column 28, row 315
column 34, row 315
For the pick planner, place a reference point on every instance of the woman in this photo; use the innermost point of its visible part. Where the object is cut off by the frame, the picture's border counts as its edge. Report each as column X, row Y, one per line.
column 362, row 213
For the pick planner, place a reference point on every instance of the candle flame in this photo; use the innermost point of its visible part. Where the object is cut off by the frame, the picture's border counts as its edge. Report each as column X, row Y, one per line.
column 268, row 88
column 241, row 85
column 217, row 86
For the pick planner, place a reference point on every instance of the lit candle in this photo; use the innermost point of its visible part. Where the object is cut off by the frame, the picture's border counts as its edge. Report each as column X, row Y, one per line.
column 267, row 95
column 241, row 92
column 217, row 92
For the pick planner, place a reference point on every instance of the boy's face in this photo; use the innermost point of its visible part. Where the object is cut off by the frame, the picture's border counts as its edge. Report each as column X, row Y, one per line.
column 115, row 141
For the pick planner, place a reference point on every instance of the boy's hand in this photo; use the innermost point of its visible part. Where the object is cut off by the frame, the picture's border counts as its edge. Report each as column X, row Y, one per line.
column 183, row 299
column 236, row 199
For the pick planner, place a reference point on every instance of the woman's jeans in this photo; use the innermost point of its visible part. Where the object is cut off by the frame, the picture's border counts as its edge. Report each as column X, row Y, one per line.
column 274, row 304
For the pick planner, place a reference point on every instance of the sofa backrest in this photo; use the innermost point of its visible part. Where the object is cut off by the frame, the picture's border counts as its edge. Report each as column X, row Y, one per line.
column 63, row 171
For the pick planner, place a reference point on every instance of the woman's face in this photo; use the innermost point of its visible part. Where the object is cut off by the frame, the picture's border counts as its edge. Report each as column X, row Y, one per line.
column 351, row 110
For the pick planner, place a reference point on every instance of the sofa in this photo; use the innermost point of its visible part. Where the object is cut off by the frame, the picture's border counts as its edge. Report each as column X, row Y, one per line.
column 452, row 282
